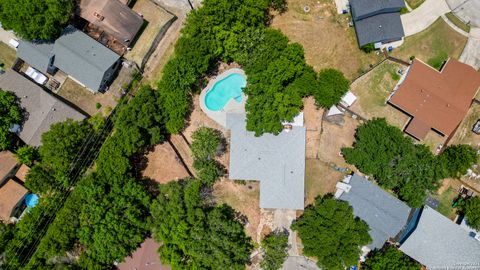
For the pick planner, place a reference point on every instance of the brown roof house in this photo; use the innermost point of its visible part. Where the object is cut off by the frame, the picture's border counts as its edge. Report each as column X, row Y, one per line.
column 8, row 165
column 144, row 258
column 436, row 100
column 12, row 196
column 113, row 16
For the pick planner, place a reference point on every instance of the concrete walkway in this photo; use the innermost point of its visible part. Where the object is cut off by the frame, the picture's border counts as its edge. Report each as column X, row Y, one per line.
column 471, row 52
column 466, row 10
column 5, row 36
column 422, row 17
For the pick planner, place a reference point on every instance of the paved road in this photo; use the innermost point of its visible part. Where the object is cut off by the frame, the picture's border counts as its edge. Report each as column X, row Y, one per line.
column 299, row 263
column 466, row 10
column 471, row 52
column 422, row 17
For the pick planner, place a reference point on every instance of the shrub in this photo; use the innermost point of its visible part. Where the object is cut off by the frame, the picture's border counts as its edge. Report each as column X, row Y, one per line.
column 368, row 48
column 26, row 155
column 275, row 247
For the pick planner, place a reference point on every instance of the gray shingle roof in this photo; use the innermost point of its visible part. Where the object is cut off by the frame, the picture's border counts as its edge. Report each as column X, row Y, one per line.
column 439, row 243
column 82, row 57
column 379, row 28
column 366, row 8
column 35, row 54
column 384, row 214
column 278, row 162
column 42, row 109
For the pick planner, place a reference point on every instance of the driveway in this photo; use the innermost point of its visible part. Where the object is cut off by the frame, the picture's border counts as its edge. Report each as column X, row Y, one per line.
column 5, row 36
column 422, row 17
column 299, row 263
column 471, row 52
column 466, row 10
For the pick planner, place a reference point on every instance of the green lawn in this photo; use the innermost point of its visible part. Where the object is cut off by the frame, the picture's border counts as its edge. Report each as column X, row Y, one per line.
column 415, row 3
column 7, row 55
column 434, row 45
column 459, row 23
column 446, row 200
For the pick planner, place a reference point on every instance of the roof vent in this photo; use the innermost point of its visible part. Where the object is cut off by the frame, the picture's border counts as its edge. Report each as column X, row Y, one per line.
column 380, row 26
column 98, row 16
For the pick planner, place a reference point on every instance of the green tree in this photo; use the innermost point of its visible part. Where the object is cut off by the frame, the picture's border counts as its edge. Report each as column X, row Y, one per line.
column 368, row 48
column 331, row 233
column 457, row 159
column 36, row 19
column 208, row 171
column 41, row 180
column 26, row 155
column 332, row 85
column 10, row 113
column 275, row 247
column 205, row 143
column 194, row 235
column 6, row 235
column 472, row 212
column 389, row 258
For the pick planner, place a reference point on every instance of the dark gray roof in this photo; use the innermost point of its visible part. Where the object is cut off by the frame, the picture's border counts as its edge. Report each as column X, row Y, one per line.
column 42, row 109
column 82, row 57
column 379, row 28
column 35, row 54
column 439, row 243
column 366, row 8
column 278, row 162
column 384, row 214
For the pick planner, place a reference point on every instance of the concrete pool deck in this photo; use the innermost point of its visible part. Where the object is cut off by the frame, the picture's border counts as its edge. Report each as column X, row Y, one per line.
column 231, row 107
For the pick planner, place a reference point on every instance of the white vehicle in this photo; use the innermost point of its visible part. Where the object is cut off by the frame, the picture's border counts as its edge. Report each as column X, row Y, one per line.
column 36, row 75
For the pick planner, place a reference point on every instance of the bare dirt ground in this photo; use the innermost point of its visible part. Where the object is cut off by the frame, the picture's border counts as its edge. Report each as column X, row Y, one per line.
column 156, row 18
column 326, row 37
column 163, row 165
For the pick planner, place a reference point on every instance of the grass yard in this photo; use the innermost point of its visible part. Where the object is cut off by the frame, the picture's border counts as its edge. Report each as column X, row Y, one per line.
column 434, row 45
column 156, row 18
column 459, row 23
column 372, row 91
column 464, row 134
column 326, row 37
column 414, row 3
column 7, row 56
column 446, row 198
column 320, row 179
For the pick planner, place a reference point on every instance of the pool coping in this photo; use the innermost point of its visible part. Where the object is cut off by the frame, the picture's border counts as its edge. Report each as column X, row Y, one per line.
column 230, row 107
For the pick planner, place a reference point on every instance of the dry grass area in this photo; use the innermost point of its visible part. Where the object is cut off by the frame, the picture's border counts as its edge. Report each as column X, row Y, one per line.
column 244, row 198
column 464, row 134
column 156, row 18
column 163, row 165
column 414, row 3
column 326, row 37
column 7, row 55
column 433, row 45
column 320, row 179
column 86, row 100
column 433, row 140
column 372, row 91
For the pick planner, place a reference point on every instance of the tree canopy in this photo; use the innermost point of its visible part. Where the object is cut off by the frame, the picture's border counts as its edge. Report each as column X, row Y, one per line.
column 275, row 247
column 332, row 85
column 31, row 20
column 195, row 235
column 205, row 143
column 10, row 113
column 389, row 258
column 411, row 170
column 458, row 159
column 26, row 155
column 472, row 212
column 331, row 233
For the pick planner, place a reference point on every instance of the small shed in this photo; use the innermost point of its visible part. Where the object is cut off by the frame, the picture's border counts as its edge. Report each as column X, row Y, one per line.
column 348, row 99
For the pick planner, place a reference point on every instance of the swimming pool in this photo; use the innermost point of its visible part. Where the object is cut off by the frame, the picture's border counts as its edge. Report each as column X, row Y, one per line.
column 224, row 90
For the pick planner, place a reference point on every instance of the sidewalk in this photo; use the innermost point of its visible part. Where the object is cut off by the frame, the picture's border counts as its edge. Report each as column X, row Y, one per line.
column 422, row 17
column 471, row 52
column 5, row 36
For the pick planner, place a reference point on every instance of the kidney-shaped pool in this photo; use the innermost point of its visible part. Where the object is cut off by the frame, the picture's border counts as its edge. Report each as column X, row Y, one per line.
column 224, row 90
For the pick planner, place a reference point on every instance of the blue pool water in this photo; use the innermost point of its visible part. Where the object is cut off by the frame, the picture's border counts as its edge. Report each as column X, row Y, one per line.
column 224, row 90
column 31, row 200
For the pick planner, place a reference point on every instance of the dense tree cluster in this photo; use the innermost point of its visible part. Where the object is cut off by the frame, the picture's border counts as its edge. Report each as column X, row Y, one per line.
column 331, row 233
column 235, row 30
column 472, row 212
column 36, row 19
column 389, row 258
column 411, row 170
column 275, row 247
column 10, row 113
column 195, row 235
column 206, row 145
column 332, row 85
column 26, row 155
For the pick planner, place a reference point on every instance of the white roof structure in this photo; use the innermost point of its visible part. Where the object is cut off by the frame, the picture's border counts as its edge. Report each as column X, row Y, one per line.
column 278, row 162
column 348, row 99
column 297, row 121
column 334, row 111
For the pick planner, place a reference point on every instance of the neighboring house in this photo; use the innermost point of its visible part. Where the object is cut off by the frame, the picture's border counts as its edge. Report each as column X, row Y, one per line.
column 42, row 109
column 385, row 215
column 377, row 20
column 436, row 100
column 113, row 16
column 82, row 58
column 144, row 258
column 438, row 243
column 277, row 161
column 12, row 196
column 8, row 165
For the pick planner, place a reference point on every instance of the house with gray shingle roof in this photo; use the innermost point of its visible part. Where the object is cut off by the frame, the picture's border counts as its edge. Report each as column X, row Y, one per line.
column 438, row 243
column 385, row 215
column 377, row 20
column 277, row 161
column 84, row 59
column 42, row 109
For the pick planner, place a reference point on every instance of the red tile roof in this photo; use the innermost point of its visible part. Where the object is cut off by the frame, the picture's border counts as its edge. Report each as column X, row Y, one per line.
column 11, row 193
column 436, row 100
column 7, row 163
column 145, row 257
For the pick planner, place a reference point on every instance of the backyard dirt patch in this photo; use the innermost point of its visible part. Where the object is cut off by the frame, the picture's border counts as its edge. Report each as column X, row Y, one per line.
column 320, row 179
column 464, row 134
column 244, row 198
column 86, row 100
column 326, row 37
column 334, row 138
column 373, row 90
column 156, row 17
column 433, row 45
column 163, row 165
column 7, row 56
